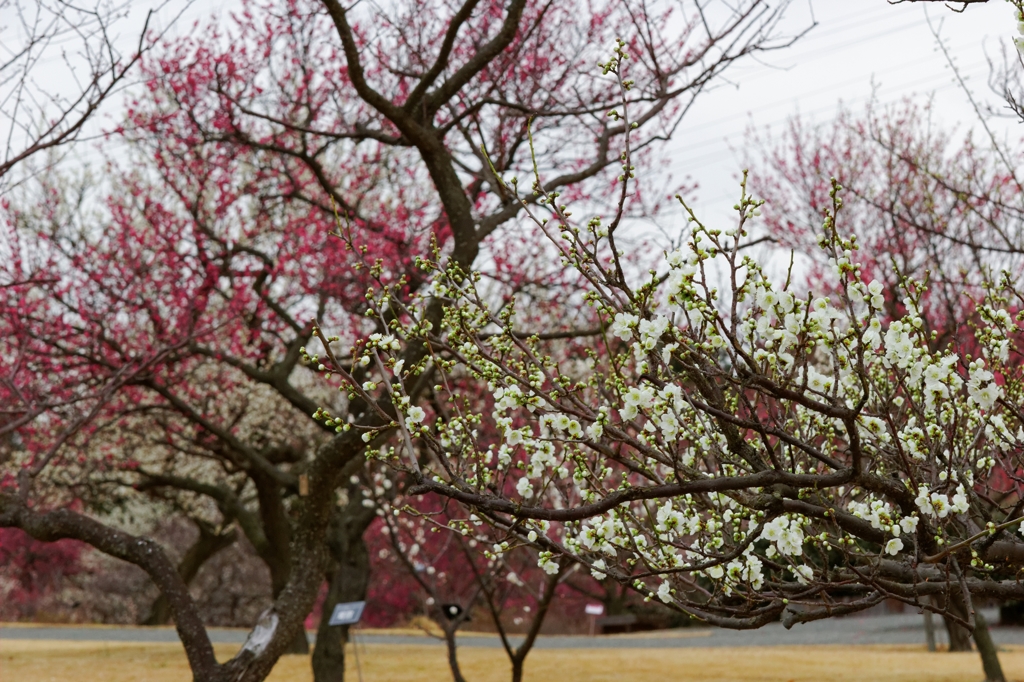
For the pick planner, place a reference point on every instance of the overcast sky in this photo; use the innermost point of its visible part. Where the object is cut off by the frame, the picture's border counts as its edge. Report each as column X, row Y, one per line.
column 856, row 46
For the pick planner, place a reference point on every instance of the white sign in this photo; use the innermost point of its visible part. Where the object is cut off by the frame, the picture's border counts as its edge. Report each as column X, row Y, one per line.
column 594, row 609
column 348, row 613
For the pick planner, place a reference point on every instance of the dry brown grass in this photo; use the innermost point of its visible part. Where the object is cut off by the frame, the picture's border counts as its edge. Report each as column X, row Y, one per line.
column 42, row 661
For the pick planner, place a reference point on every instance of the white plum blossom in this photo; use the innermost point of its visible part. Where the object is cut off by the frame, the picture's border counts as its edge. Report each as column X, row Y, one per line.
column 547, row 563
column 652, row 330
column 986, row 396
column 623, row 325
column 787, row 535
column 804, row 574
column 875, row 289
column 981, row 387
column 899, row 345
column 1018, row 40
column 514, row 437
column 817, row 381
column 924, row 502
column 940, row 505
column 766, row 299
column 524, row 488
column 960, row 503
column 872, row 336
column 635, row 399
column 665, row 592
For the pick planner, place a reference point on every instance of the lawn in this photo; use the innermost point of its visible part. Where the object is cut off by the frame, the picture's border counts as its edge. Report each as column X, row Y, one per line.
column 46, row 661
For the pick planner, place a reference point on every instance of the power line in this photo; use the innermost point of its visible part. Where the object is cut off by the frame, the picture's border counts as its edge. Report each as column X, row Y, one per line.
column 788, row 100
column 901, row 87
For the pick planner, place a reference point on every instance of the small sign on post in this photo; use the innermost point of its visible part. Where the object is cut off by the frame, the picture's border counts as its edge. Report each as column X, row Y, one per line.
column 451, row 611
column 593, row 610
column 348, row 613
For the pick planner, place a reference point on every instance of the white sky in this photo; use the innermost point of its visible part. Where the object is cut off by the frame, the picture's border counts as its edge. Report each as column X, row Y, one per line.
column 857, row 43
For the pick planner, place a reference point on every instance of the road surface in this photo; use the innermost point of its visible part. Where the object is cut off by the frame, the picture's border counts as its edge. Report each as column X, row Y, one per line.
column 874, row 629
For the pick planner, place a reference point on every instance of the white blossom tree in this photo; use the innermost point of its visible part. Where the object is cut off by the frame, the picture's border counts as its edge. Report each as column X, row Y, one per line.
column 731, row 445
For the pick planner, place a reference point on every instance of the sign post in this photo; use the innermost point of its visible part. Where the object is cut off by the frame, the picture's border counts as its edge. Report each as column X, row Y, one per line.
column 593, row 610
column 349, row 613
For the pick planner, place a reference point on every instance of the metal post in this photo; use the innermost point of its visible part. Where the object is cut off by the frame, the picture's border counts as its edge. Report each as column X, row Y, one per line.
column 355, row 651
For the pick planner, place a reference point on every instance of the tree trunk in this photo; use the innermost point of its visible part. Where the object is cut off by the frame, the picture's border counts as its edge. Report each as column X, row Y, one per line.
column 517, row 669
column 615, row 598
column 347, row 582
column 276, row 552
column 204, row 548
column 959, row 636
column 453, row 652
column 929, row 630
column 279, row 572
column 518, row 657
column 987, row 649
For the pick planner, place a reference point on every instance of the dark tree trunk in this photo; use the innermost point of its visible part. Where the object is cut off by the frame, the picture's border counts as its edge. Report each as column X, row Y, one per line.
column 987, row 649
column 276, row 552
column 518, row 656
column 959, row 636
column 299, row 643
column 347, row 582
column 453, row 652
column 204, row 548
column 615, row 599
column 517, row 670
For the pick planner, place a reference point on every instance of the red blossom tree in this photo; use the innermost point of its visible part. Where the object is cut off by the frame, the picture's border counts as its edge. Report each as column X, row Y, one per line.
column 33, row 570
column 158, row 343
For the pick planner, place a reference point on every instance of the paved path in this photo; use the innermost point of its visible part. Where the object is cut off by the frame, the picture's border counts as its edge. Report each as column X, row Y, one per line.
column 877, row 629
